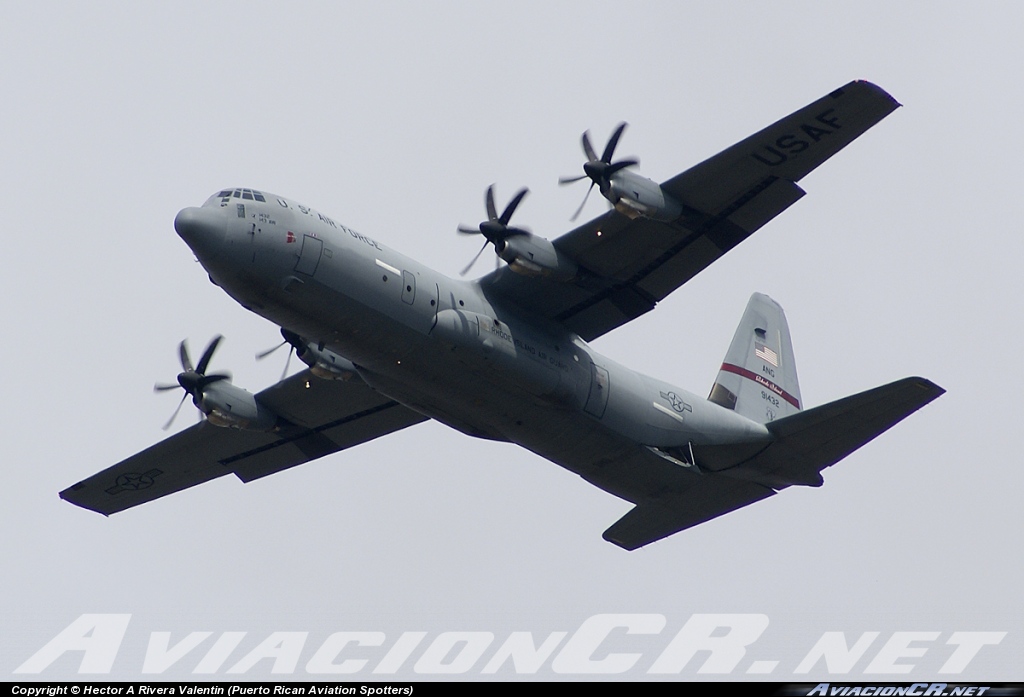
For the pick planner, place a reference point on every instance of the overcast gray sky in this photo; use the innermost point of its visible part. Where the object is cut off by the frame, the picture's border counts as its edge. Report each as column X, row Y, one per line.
column 903, row 259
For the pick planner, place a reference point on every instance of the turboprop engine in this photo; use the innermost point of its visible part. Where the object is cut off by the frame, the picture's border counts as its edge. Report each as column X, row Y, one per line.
column 222, row 403
column 322, row 362
column 229, row 406
column 629, row 193
column 531, row 255
column 524, row 252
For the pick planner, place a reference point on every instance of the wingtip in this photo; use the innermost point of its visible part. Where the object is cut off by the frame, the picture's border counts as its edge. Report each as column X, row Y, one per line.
column 881, row 92
column 929, row 386
column 67, row 495
column 866, row 85
column 620, row 543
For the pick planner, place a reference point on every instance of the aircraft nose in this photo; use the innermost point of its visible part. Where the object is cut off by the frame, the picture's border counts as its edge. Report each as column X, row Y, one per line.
column 203, row 229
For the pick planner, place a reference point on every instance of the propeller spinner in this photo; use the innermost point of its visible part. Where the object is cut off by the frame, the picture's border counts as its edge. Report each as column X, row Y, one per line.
column 599, row 170
column 496, row 228
column 193, row 379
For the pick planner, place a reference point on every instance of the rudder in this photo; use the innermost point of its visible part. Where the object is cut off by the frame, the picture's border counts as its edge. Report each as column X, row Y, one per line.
column 758, row 376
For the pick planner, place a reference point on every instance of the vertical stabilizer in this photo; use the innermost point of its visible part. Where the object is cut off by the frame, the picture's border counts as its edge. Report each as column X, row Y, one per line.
column 758, row 377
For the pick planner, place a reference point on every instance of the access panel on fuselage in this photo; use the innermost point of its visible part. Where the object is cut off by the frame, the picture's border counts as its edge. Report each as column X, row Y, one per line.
column 309, row 256
column 597, row 401
column 408, row 287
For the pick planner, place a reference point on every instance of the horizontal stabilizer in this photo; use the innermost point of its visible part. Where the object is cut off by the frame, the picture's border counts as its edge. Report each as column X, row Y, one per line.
column 808, row 442
column 805, row 444
column 711, row 497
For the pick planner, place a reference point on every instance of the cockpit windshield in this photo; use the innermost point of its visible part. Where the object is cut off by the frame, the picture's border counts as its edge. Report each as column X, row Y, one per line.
column 247, row 194
column 224, row 196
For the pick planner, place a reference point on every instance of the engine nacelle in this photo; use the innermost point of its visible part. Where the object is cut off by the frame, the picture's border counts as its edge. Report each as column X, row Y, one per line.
column 228, row 406
column 635, row 196
column 531, row 255
column 326, row 364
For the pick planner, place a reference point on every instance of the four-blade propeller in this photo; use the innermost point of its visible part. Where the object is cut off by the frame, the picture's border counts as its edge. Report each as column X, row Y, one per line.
column 193, row 379
column 599, row 170
column 496, row 228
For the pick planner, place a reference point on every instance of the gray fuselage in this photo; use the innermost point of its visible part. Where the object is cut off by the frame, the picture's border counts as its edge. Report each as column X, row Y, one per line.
column 443, row 348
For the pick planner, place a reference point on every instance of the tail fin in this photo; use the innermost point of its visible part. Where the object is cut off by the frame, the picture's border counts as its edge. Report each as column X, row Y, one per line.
column 758, row 377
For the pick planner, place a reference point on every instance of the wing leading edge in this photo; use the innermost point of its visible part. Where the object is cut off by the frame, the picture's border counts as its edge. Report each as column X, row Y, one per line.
column 324, row 416
column 627, row 266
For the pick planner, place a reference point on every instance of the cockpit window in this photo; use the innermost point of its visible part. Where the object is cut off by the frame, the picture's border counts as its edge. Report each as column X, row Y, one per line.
column 244, row 194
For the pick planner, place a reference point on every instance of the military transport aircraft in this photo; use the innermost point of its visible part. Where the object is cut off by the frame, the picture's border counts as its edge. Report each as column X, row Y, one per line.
column 390, row 343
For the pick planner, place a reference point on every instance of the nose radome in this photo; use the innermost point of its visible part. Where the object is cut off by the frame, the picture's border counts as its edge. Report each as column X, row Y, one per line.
column 203, row 229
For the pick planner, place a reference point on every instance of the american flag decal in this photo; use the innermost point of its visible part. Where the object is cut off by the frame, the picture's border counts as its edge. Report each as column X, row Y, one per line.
column 766, row 354
column 290, row 237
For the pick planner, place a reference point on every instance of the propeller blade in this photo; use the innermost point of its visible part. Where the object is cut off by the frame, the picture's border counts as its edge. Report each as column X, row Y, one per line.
column 287, row 361
column 466, row 270
column 193, row 380
column 492, row 213
column 609, row 149
column 291, row 338
column 263, row 354
column 599, row 171
column 513, row 204
column 622, row 164
column 175, row 414
column 208, row 354
column 186, row 362
column 588, row 149
column 495, row 229
column 569, row 180
column 213, row 377
column 580, row 209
